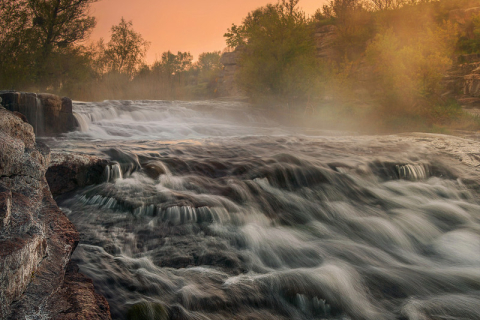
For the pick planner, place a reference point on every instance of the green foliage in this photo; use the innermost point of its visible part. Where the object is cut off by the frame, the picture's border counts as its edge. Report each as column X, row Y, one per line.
column 393, row 56
column 469, row 41
column 277, row 64
column 355, row 27
column 35, row 34
column 208, row 70
column 208, row 61
column 408, row 75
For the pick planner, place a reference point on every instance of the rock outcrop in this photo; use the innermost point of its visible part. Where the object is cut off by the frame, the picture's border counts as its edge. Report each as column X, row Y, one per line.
column 227, row 83
column 462, row 82
column 325, row 37
column 47, row 113
column 36, row 238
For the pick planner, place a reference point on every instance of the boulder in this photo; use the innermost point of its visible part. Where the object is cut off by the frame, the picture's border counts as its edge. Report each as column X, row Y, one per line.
column 68, row 172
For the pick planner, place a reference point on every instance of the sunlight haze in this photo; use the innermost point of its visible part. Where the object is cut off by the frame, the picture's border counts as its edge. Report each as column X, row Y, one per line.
column 185, row 25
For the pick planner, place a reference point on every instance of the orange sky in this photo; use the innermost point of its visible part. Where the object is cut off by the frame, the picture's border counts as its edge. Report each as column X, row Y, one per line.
column 179, row 25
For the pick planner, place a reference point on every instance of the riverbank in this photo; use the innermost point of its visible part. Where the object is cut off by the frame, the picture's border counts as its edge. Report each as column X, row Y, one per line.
column 37, row 279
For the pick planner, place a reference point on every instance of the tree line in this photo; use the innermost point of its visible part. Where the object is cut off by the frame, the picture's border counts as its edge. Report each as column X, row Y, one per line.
column 43, row 47
column 385, row 61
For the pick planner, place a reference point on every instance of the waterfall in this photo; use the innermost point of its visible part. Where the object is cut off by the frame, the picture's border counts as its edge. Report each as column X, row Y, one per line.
column 39, row 117
column 166, row 120
column 413, row 171
column 82, row 122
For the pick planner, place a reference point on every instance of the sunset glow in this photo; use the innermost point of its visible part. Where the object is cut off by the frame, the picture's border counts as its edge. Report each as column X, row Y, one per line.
column 183, row 25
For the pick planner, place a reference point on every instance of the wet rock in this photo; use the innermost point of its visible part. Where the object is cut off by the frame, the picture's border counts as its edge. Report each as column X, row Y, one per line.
column 77, row 298
column 154, row 169
column 48, row 114
column 68, row 172
column 36, row 239
column 58, row 114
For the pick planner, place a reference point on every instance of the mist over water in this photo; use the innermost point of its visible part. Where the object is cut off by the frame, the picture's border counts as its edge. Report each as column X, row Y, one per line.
column 217, row 214
column 169, row 120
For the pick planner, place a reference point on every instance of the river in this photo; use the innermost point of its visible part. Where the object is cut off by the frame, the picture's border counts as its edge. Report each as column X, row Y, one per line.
column 213, row 212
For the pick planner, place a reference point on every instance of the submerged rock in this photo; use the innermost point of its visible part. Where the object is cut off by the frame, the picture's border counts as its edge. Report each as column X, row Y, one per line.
column 36, row 238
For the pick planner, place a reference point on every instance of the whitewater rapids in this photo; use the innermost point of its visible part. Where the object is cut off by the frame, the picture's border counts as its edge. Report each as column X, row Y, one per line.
column 215, row 213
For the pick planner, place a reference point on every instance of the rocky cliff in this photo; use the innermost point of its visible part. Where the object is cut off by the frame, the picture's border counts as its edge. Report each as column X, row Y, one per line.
column 37, row 280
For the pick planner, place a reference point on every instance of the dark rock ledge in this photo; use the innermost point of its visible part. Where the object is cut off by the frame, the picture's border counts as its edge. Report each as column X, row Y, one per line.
column 69, row 171
column 37, row 280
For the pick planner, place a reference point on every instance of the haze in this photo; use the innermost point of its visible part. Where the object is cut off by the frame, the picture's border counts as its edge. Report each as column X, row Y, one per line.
column 183, row 25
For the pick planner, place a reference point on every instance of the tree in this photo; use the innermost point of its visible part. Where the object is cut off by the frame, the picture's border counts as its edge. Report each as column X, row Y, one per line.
column 355, row 27
column 61, row 22
column 15, row 60
column 387, row 4
column 277, row 62
column 126, row 50
column 408, row 74
column 34, row 31
column 172, row 64
column 209, row 61
column 290, row 5
column 206, row 73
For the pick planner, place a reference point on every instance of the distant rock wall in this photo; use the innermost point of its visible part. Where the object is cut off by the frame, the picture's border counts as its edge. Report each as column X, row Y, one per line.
column 462, row 82
column 47, row 113
column 463, row 79
column 227, row 83
column 325, row 37
column 36, row 238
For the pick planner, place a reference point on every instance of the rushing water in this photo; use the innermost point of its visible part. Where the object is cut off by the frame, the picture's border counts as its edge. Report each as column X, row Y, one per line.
column 212, row 213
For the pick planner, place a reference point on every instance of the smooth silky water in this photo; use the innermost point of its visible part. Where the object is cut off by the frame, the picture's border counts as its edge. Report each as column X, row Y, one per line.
column 212, row 213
